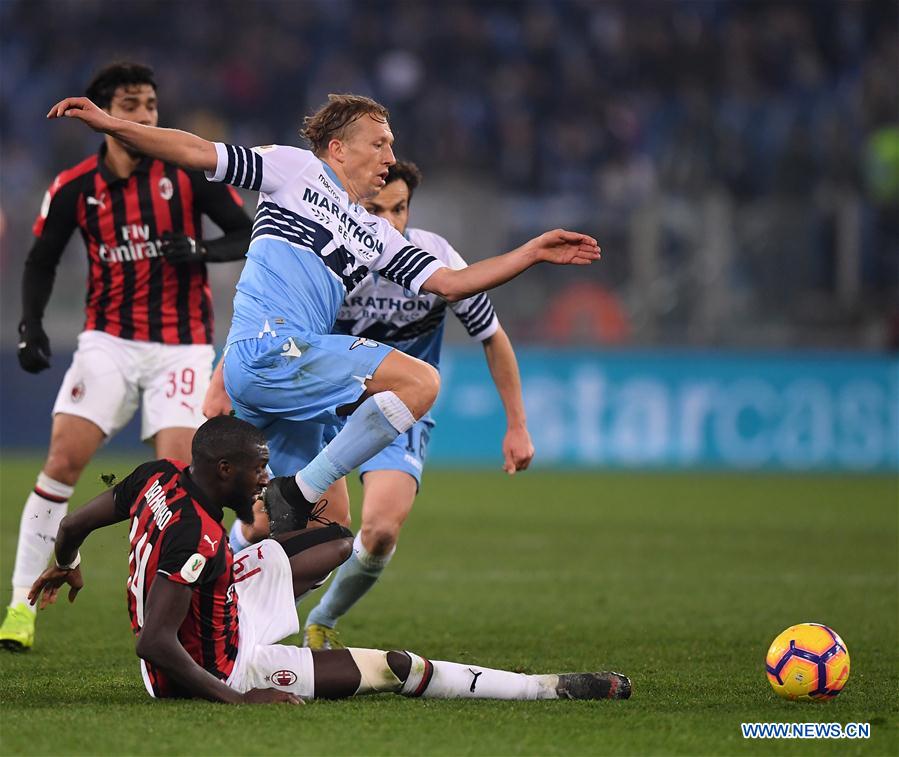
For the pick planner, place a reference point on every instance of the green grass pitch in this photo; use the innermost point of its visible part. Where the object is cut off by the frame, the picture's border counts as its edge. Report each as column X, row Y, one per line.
column 680, row 581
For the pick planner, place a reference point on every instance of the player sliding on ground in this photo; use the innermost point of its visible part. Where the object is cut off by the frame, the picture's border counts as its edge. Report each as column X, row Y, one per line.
column 207, row 621
column 312, row 243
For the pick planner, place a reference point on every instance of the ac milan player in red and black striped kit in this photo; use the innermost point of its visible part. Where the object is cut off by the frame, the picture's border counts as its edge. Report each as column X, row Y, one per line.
column 148, row 330
column 208, row 623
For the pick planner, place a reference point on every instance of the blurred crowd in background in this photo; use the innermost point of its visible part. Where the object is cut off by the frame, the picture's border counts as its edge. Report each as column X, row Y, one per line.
column 738, row 161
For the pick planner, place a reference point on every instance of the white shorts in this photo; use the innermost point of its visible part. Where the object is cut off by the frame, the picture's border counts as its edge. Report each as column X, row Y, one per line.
column 267, row 614
column 109, row 376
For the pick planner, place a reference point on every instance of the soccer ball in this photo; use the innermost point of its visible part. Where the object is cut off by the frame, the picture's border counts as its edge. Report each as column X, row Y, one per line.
column 807, row 661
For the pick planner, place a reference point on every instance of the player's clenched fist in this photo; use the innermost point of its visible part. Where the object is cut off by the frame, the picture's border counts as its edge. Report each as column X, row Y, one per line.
column 84, row 110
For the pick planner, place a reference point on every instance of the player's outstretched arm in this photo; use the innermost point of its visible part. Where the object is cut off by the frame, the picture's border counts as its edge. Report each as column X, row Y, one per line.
column 73, row 530
column 559, row 247
column 171, row 145
column 167, row 605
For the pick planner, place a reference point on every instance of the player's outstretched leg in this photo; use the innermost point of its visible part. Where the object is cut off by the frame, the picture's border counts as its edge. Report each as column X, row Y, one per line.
column 342, row 673
column 73, row 442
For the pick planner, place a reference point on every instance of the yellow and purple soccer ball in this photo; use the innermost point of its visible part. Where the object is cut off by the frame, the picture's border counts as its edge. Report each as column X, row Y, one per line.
column 808, row 661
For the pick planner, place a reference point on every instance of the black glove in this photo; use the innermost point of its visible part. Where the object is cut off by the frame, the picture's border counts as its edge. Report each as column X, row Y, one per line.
column 34, row 347
column 180, row 248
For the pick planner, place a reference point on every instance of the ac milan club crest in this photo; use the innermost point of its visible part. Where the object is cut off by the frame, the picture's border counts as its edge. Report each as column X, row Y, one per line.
column 283, row 678
column 166, row 190
column 78, row 392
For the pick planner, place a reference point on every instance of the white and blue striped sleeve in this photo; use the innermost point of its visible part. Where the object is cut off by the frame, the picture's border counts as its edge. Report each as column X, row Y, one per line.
column 403, row 262
column 476, row 313
column 259, row 169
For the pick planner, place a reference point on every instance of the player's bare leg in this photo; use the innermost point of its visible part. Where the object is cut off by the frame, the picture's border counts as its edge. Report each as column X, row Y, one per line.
column 337, row 509
column 313, row 554
column 388, row 496
column 387, row 501
column 174, row 443
column 73, row 442
column 348, row 672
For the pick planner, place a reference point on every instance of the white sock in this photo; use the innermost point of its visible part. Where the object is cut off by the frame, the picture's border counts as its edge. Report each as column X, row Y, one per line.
column 451, row 680
column 236, row 537
column 45, row 507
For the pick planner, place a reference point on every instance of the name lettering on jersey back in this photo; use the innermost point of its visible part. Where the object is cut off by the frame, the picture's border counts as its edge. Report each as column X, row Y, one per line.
column 137, row 247
column 348, row 227
column 155, row 499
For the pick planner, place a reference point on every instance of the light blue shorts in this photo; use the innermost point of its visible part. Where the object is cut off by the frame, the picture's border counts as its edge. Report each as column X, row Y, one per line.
column 294, row 385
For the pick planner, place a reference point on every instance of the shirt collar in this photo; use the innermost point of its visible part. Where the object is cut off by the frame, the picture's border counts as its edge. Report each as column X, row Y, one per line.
column 200, row 496
column 333, row 176
column 109, row 177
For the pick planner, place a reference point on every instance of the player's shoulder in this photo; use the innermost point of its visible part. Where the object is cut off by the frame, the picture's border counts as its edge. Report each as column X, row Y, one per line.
column 70, row 175
column 286, row 153
column 437, row 245
column 162, row 470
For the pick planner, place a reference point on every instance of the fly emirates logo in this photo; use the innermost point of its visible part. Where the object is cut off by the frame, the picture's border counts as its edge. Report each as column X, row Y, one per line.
column 137, row 246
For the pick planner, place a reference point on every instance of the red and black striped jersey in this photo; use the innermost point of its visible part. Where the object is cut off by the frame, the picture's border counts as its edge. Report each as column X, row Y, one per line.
column 132, row 291
column 177, row 535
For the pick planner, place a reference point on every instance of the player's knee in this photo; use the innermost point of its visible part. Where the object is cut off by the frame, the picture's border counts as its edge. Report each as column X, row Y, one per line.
column 63, row 466
column 380, row 537
column 424, row 383
column 431, row 383
column 400, row 663
column 343, row 548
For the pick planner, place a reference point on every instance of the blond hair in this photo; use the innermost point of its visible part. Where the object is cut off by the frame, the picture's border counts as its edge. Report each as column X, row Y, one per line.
column 332, row 120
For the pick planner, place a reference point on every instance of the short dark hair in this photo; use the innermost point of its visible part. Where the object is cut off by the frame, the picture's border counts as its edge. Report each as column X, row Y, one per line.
column 331, row 120
column 226, row 438
column 407, row 171
column 111, row 77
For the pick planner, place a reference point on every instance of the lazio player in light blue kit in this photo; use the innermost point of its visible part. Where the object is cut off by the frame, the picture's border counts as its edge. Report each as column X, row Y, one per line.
column 312, row 243
column 381, row 310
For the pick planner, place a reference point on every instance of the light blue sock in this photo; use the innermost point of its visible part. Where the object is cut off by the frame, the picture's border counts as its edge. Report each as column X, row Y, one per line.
column 353, row 580
column 376, row 423
column 236, row 538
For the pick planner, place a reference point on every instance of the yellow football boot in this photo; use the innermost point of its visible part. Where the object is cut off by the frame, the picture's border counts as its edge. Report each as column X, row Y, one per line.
column 17, row 631
column 321, row 637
